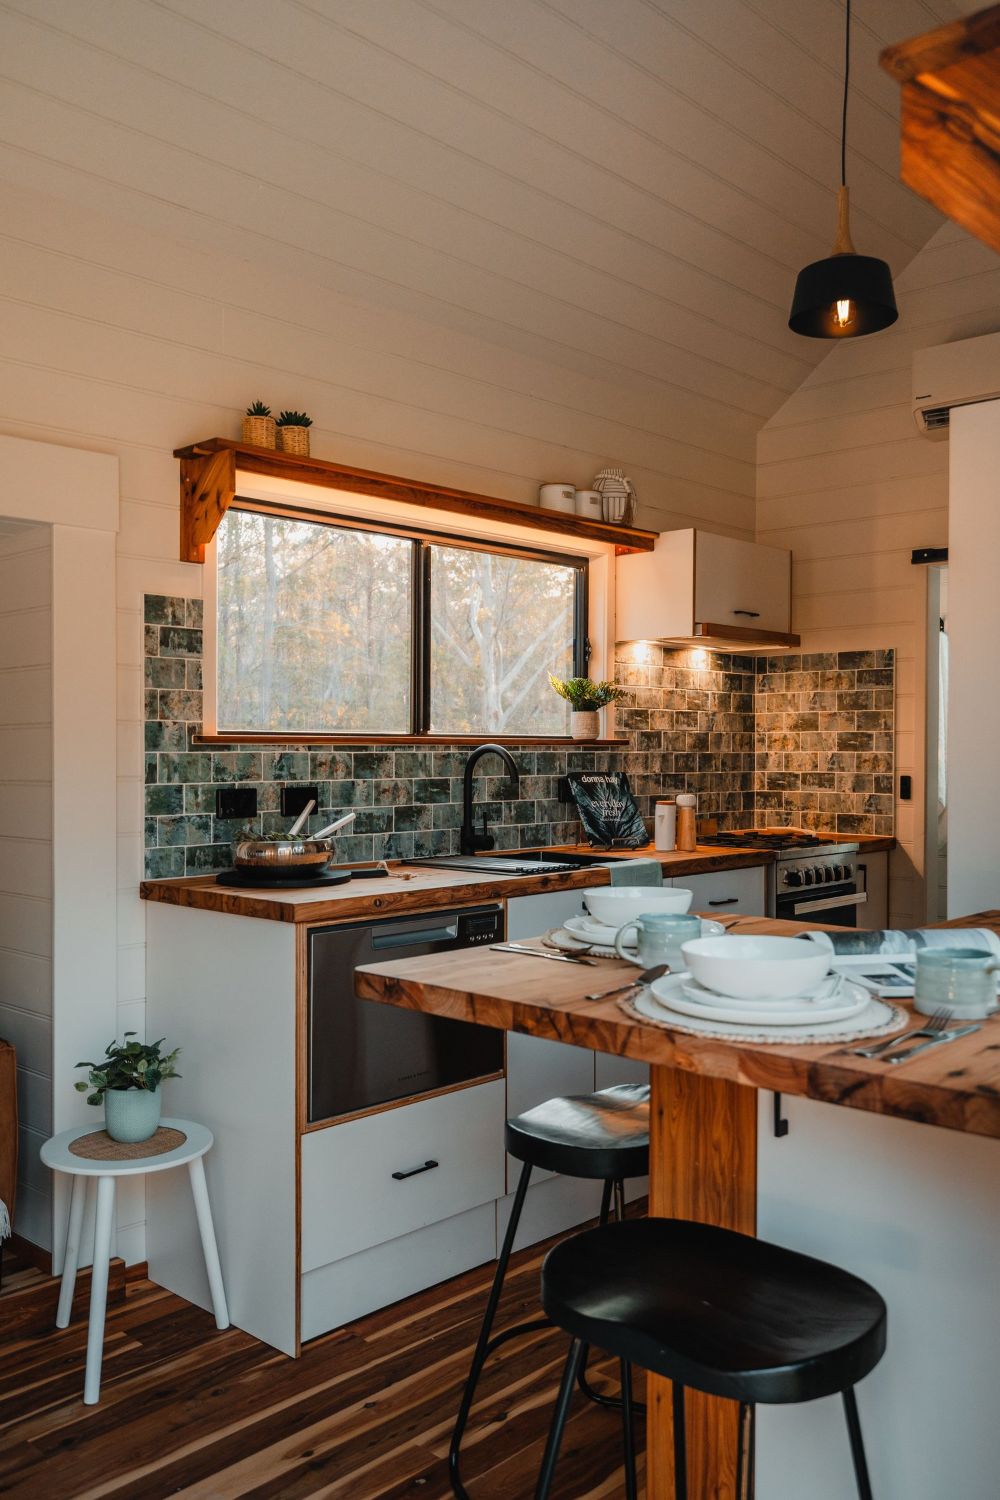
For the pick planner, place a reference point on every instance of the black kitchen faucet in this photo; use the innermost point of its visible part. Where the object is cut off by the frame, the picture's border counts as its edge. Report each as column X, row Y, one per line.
column 471, row 842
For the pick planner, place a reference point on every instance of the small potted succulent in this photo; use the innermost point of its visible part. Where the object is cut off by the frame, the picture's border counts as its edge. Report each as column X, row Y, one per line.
column 293, row 432
column 127, row 1082
column 586, row 699
column 258, row 425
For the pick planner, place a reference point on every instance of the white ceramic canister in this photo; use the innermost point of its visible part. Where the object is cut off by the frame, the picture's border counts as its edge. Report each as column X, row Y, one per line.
column 588, row 504
column 557, row 497
column 665, row 824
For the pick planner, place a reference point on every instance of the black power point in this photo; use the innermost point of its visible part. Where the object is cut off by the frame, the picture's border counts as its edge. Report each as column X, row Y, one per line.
column 295, row 798
column 905, row 788
column 236, row 802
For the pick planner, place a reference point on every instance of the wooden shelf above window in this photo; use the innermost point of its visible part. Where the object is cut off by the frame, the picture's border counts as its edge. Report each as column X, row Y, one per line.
column 553, row 742
column 950, row 136
column 208, row 488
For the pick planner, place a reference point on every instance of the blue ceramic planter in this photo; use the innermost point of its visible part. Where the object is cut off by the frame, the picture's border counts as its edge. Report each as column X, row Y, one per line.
column 131, row 1114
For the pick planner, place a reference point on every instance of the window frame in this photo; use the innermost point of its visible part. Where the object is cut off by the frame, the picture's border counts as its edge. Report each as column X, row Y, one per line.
column 424, row 539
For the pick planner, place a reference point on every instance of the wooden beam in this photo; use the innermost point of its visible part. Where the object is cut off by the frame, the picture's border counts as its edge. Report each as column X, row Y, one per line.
column 703, row 1159
column 950, row 140
column 206, row 494
column 208, row 486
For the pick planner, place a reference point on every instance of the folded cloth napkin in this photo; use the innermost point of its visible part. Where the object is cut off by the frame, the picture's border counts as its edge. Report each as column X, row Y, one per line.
column 644, row 871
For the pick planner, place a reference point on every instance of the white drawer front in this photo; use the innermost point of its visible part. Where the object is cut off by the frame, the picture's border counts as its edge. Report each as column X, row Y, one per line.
column 727, row 891
column 350, row 1199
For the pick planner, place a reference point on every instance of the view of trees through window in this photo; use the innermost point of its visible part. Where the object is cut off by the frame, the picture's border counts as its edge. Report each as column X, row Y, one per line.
column 314, row 627
column 315, row 632
column 499, row 626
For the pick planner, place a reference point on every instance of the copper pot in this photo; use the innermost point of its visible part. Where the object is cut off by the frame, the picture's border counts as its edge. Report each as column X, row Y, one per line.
column 292, row 857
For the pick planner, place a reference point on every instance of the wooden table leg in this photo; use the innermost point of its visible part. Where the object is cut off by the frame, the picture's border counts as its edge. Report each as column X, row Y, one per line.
column 703, row 1165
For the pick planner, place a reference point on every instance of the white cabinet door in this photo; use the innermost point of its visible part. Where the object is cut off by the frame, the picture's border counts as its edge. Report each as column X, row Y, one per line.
column 741, row 583
column 725, row 891
column 538, row 1069
column 874, row 914
column 914, row 1210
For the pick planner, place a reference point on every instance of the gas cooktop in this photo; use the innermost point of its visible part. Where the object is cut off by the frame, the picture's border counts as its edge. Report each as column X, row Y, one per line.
column 784, row 842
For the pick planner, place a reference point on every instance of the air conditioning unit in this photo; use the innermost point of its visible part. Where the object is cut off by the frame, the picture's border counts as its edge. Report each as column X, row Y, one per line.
column 948, row 375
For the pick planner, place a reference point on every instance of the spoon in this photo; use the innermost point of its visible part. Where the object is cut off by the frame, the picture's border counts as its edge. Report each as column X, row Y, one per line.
column 646, row 977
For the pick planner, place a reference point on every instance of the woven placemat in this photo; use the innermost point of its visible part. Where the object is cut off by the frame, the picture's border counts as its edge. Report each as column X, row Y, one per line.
column 98, row 1145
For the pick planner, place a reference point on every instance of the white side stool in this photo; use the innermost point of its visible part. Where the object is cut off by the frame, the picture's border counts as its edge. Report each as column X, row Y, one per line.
column 57, row 1155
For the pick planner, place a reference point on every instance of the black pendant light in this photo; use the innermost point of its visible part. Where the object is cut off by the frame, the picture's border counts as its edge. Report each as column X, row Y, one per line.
column 847, row 294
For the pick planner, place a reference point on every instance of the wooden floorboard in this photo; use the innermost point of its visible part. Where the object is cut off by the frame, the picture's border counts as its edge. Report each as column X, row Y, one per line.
column 365, row 1414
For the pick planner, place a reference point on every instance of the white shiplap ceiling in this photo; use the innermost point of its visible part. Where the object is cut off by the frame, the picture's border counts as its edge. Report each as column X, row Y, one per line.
column 632, row 182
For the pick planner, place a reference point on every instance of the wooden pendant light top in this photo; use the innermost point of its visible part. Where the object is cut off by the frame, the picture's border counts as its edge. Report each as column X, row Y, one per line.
column 843, row 244
column 950, row 144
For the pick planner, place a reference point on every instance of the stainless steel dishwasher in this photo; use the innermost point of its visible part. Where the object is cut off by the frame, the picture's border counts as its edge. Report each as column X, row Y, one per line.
column 363, row 1054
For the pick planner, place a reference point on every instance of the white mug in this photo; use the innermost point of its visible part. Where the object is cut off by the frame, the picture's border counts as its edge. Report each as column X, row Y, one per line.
column 557, row 497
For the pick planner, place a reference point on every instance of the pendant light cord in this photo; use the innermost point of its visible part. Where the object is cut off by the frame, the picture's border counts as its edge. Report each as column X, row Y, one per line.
column 847, row 79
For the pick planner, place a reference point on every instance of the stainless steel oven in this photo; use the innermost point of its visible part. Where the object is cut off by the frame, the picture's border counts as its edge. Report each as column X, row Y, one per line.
column 822, row 886
column 362, row 1054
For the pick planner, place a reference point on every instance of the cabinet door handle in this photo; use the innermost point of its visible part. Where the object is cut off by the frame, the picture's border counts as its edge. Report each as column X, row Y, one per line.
column 725, row 901
column 414, row 1171
column 751, row 614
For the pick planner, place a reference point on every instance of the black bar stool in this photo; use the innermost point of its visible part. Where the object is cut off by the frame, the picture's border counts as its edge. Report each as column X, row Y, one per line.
column 717, row 1311
column 603, row 1137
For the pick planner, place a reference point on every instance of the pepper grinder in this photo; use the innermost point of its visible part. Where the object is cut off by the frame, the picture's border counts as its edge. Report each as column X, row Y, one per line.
column 687, row 836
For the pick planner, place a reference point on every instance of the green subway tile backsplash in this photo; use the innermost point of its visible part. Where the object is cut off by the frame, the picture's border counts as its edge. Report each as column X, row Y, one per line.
column 758, row 739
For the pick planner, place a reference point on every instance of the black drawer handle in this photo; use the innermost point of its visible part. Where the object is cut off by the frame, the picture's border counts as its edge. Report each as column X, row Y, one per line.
column 726, row 901
column 751, row 614
column 414, row 1171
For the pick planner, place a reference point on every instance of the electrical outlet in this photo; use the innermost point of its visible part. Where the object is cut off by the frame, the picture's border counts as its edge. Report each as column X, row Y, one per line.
column 563, row 792
column 236, row 802
column 294, row 799
column 905, row 788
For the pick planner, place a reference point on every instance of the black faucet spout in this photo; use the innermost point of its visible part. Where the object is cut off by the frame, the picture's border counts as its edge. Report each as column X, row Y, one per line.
column 471, row 842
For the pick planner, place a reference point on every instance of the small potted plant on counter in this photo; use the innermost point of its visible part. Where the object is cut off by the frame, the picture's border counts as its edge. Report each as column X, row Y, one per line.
column 586, row 699
column 258, row 425
column 127, row 1082
column 293, row 433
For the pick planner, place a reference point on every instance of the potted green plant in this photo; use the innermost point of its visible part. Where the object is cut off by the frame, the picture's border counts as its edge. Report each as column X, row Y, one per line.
column 293, row 432
column 258, row 425
column 586, row 698
column 127, row 1082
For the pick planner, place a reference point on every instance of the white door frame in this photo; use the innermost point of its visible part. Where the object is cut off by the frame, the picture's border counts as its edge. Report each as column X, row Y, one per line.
column 75, row 493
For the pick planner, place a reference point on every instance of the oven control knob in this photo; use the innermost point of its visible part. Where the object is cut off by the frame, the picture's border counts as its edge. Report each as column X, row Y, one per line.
column 807, row 876
column 839, row 872
column 829, row 872
column 793, row 877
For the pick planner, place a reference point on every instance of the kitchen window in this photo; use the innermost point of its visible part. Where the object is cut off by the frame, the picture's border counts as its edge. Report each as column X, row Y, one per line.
column 344, row 627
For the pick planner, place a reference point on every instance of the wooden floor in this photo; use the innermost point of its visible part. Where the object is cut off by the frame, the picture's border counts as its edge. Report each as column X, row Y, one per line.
column 365, row 1413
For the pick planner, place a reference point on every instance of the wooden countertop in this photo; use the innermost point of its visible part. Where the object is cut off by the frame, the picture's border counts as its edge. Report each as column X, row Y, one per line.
column 957, row 1086
column 423, row 890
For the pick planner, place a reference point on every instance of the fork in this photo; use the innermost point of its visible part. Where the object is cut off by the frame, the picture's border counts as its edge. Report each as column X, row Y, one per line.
column 932, row 1027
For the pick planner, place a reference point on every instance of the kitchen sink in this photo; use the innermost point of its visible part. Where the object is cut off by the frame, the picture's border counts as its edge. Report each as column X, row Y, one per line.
column 513, row 862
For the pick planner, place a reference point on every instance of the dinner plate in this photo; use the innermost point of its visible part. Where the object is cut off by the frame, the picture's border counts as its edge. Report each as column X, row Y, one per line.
column 876, row 1018
column 830, row 993
column 670, row 994
column 589, row 931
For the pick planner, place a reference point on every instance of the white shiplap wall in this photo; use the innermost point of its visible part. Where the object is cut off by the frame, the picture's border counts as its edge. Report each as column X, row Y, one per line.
column 26, row 853
column 847, row 483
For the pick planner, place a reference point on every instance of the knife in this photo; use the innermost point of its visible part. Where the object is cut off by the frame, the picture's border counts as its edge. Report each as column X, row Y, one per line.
column 646, row 977
column 559, row 958
column 937, row 1041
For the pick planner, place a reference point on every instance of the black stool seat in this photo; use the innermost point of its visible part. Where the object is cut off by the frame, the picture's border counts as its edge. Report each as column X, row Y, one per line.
column 715, row 1310
column 603, row 1135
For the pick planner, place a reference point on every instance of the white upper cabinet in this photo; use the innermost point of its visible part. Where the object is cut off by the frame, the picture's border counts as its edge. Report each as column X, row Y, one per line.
column 703, row 589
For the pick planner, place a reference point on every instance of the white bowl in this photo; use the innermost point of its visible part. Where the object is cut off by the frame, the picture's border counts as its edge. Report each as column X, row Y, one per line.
column 756, row 968
column 616, row 907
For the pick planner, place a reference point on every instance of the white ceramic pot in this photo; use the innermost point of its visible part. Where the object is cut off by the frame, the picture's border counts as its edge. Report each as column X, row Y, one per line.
column 613, row 906
column 585, row 724
column 557, row 497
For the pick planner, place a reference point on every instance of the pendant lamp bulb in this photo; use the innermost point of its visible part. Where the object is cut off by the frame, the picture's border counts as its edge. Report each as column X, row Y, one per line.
column 847, row 294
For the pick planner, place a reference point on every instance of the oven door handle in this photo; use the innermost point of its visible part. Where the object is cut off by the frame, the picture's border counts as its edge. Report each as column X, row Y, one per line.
column 830, row 904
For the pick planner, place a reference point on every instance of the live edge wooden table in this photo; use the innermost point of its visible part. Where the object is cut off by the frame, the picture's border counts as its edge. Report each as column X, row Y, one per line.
column 703, row 1127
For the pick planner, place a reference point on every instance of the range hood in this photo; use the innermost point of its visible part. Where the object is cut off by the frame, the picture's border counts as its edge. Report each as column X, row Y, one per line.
column 715, row 637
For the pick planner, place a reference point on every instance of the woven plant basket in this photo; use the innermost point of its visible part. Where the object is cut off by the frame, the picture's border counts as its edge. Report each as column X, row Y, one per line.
column 294, row 440
column 260, row 431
